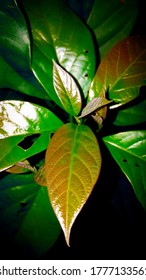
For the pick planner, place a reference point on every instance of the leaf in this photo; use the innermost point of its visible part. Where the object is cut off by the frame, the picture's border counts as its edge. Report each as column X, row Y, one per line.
column 60, row 35
column 20, row 120
column 132, row 115
column 122, row 71
column 15, row 43
column 26, row 216
column 111, row 22
column 67, row 90
column 129, row 151
column 72, row 163
column 94, row 105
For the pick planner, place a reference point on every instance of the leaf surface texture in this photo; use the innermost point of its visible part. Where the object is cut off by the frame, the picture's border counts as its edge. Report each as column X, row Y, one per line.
column 73, row 163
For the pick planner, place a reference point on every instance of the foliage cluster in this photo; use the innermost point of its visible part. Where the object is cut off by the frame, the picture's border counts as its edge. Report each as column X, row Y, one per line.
column 71, row 82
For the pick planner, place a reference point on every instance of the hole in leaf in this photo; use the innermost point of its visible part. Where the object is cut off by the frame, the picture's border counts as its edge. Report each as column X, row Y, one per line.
column 23, row 204
column 124, row 160
column 22, row 209
column 28, row 141
column 86, row 51
column 136, row 165
column 86, row 75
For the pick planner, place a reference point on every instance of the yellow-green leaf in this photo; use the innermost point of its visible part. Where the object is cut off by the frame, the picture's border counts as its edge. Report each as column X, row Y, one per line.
column 72, row 163
column 67, row 90
column 94, row 105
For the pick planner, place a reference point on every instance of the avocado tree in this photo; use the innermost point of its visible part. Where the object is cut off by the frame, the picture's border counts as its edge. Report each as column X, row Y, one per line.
column 66, row 67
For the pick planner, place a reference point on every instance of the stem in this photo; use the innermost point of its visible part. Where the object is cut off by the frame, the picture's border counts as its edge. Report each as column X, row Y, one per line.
column 25, row 165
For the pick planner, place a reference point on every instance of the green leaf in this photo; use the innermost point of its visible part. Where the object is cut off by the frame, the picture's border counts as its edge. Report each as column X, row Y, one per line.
column 14, row 37
column 26, row 216
column 72, row 163
column 67, row 90
column 112, row 21
column 94, row 105
column 133, row 115
column 15, row 43
column 129, row 151
column 57, row 35
column 122, row 71
column 19, row 120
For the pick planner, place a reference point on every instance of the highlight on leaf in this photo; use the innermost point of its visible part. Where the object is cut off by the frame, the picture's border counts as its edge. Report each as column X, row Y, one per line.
column 25, row 130
column 67, row 90
column 129, row 151
column 122, row 71
column 94, row 105
column 72, row 165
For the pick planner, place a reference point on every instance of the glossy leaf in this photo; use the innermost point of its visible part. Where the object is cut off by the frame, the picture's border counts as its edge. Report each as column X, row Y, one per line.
column 129, row 150
column 112, row 21
column 122, row 71
column 67, row 90
column 132, row 115
column 72, row 163
column 15, row 43
column 60, row 35
column 26, row 216
column 19, row 120
column 94, row 105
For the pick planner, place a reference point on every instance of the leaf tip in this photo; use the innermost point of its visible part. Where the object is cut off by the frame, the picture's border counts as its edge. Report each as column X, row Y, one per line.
column 67, row 232
column 67, row 239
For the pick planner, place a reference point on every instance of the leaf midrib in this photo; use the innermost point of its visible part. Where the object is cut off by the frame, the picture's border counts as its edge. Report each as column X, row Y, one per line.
column 127, row 68
column 125, row 150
